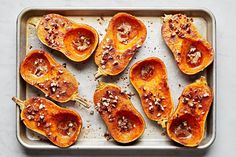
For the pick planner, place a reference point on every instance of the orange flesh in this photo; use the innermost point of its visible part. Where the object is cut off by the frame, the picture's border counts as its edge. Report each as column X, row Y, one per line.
column 39, row 69
column 149, row 78
column 123, row 121
column 125, row 34
column 194, row 105
column 61, row 126
column 58, row 32
column 180, row 34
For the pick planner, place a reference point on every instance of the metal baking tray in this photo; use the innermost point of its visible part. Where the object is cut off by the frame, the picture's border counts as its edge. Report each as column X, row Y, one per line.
column 91, row 136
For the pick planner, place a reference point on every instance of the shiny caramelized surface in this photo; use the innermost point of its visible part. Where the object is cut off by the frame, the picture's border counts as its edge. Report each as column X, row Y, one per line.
column 61, row 126
column 180, row 34
column 194, row 105
column 123, row 121
column 149, row 77
column 125, row 35
column 39, row 69
column 59, row 33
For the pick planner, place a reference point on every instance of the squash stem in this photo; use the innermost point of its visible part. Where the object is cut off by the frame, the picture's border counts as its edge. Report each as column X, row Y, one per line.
column 163, row 123
column 19, row 102
column 100, row 85
column 202, row 79
column 34, row 22
column 99, row 73
column 82, row 101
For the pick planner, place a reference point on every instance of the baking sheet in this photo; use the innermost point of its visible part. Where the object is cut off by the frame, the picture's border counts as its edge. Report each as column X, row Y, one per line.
column 92, row 133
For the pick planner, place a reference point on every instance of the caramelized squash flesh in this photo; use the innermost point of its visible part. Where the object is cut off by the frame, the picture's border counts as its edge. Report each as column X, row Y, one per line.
column 123, row 121
column 195, row 54
column 37, row 66
column 125, row 35
column 149, row 78
column 76, row 41
column 40, row 70
column 192, row 52
column 61, row 126
column 185, row 128
column 187, row 125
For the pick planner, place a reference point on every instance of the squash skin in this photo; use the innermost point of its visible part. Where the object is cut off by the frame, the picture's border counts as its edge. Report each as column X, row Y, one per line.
column 64, row 83
column 194, row 115
column 66, row 33
column 179, row 37
column 46, row 118
column 125, row 108
column 153, row 88
column 120, row 52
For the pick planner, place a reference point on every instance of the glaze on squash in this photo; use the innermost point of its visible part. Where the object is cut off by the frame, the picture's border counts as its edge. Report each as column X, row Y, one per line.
column 75, row 41
column 186, row 126
column 61, row 126
column 149, row 78
column 125, row 34
column 192, row 53
column 40, row 70
column 123, row 121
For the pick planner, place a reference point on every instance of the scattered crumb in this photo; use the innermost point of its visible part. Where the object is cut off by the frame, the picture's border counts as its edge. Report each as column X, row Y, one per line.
column 163, row 133
column 88, row 126
column 64, row 65
column 107, row 135
column 91, row 112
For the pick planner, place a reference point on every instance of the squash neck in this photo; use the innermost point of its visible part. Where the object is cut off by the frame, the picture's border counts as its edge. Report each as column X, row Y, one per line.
column 19, row 102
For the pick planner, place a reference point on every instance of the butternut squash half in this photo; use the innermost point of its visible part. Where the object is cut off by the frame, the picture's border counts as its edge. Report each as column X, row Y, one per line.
column 123, row 121
column 192, row 52
column 61, row 126
column 186, row 126
column 76, row 41
column 40, row 70
column 125, row 34
column 149, row 78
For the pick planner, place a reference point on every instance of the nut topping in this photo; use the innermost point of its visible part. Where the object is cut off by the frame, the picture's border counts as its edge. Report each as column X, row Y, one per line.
column 183, row 130
column 107, row 54
column 147, row 71
column 41, row 106
column 124, row 124
column 193, row 56
column 30, row 117
column 53, row 86
column 81, row 43
column 107, row 102
column 40, row 67
column 123, row 33
column 154, row 100
column 179, row 29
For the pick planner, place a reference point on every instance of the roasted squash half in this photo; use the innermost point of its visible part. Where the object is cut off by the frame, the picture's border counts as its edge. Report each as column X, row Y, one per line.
column 40, row 70
column 75, row 41
column 125, row 34
column 123, row 121
column 61, row 126
column 149, row 78
column 186, row 126
column 191, row 51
